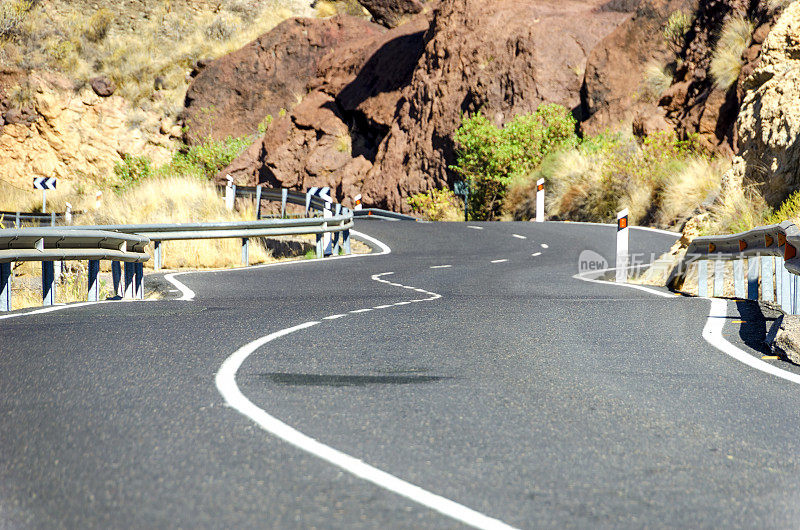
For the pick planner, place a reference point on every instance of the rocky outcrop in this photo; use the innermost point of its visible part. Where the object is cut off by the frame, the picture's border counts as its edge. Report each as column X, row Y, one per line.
column 769, row 122
column 68, row 133
column 613, row 94
column 233, row 95
column 381, row 114
column 392, row 13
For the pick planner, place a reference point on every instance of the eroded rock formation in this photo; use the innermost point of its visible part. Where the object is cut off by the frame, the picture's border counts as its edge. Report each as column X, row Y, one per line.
column 381, row 112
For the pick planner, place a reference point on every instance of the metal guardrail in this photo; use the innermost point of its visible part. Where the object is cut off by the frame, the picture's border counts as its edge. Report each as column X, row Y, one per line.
column 377, row 213
column 339, row 226
column 53, row 245
column 32, row 218
column 770, row 254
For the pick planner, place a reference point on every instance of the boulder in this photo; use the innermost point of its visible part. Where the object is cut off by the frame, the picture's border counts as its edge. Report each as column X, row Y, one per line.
column 103, row 86
column 233, row 95
column 769, row 121
column 392, row 13
column 396, row 100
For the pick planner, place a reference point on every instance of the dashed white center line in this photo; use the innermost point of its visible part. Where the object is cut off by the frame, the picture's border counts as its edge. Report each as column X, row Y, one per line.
column 334, row 317
column 441, row 266
column 475, row 227
column 545, row 245
column 536, row 254
column 519, row 236
column 499, row 260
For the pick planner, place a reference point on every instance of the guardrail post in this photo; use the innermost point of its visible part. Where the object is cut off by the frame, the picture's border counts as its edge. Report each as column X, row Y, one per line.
column 308, row 202
column 94, row 284
column 48, row 283
column 5, row 286
column 796, row 297
column 337, row 236
column 767, row 283
column 157, row 255
column 52, row 218
column 738, row 279
column 138, row 280
column 702, row 278
column 284, row 196
column 16, row 221
column 116, row 278
column 68, row 214
column 346, row 238
column 786, row 289
column 326, row 236
column 752, row 277
column 129, row 274
column 258, row 202
column 778, row 262
column 622, row 246
column 245, row 251
column 719, row 278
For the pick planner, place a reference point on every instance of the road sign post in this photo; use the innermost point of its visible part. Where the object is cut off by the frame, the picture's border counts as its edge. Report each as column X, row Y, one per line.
column 622, row 246
column 44, row 184
column 461, row 187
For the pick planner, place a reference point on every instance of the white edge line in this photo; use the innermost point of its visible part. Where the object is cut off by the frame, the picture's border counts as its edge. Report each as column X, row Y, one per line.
column 712, row 332
column 61, row 307
column 629, row 285
column 334, row 317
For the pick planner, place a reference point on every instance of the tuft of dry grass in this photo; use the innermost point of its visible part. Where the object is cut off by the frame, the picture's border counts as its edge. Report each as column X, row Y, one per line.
column 179, row 200
column 437, row 205
column 656, row 80
column 697, row 183
column 329, row 8
column 726, row 61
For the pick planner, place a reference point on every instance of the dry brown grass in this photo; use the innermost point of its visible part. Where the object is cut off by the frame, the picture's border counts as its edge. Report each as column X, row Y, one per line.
column 726, row 62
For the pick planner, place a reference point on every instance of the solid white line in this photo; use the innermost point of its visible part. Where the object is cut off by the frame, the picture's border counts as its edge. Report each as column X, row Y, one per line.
column 402, row 303
column 475, row 227
column 519, row 236
column 545, row 245
column 367, row 310
column 629, row 285
column 226, row 384
column 382, row 306
column 499, row 261
column 712, row 332
column 334, row 317
column 441, row 266
column 187, row 294
column 535, row 254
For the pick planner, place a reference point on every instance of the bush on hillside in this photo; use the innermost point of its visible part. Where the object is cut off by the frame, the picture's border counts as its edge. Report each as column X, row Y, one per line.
column 726, row 62
column 491, row 157
column 437, row 205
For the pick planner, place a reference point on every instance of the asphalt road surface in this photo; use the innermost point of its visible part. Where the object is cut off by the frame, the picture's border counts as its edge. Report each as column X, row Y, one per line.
column 479, row 383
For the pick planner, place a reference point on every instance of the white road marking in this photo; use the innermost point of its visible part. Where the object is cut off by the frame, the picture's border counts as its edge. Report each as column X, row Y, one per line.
column 475, row 227
column 226, row 384
column 334, row 317
column 382, row 306
column 441, row 266
column 545, row 246
column 712, row 332
column 519, row 236
column 499, row 261
column 367, row 310
column 535, row 254
column 402, row 303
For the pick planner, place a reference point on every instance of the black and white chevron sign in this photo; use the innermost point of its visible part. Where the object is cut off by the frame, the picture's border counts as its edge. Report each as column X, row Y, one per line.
column 44, row 183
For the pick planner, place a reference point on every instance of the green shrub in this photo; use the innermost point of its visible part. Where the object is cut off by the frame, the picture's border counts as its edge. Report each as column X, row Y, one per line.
column 490, row 157
column 789, row 210
column 207, row 159
column 676, row 27
column 133, row 169
column 437, row 205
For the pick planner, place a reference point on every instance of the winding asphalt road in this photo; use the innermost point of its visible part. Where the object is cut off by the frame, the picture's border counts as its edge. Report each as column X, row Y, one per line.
column 479, row 375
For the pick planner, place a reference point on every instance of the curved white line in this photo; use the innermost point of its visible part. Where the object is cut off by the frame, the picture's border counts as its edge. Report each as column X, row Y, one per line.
column 226, row 384
column 712, row 332
column 188, row 295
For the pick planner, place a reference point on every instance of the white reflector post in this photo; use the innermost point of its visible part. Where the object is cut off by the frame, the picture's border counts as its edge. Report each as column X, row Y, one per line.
column 327, row 213
column 357, row 202
column 230, row 193
column 622, row 246
column 540, row 201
